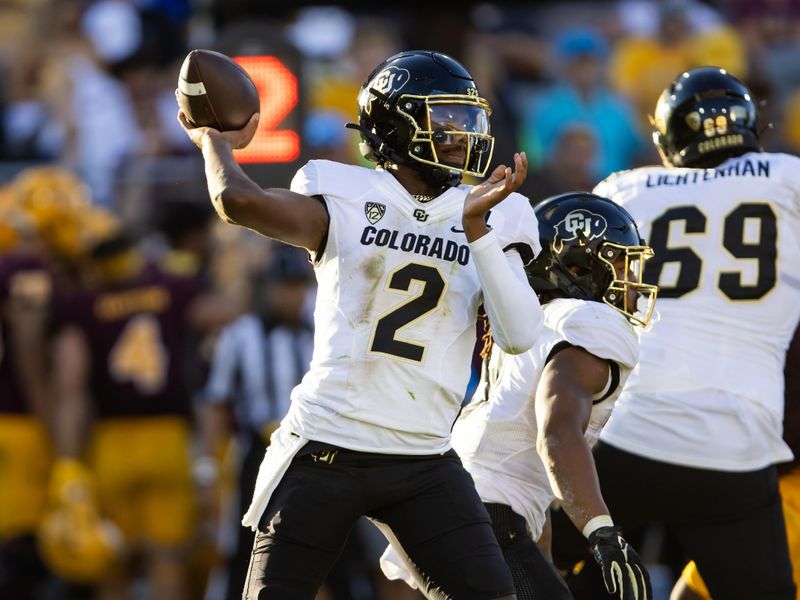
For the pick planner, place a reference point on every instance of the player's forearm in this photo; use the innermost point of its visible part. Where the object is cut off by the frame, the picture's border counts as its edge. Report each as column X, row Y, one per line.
column 572, row 474
column 512, row 307
column 474, row 227
column 229, row 187
column 277, row 213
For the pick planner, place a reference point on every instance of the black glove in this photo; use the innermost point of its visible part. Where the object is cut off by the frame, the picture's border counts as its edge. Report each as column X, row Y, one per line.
column 623, row 571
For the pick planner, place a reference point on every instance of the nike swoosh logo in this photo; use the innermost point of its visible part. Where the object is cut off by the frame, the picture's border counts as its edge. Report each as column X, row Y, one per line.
column 455, row 230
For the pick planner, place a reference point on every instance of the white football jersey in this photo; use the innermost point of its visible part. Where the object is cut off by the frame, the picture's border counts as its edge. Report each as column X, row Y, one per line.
column 708, row 391
column 496, row 434
column 395, row 312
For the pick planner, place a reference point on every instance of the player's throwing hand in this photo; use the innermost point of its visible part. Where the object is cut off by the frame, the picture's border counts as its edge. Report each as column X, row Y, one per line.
column 237, row 139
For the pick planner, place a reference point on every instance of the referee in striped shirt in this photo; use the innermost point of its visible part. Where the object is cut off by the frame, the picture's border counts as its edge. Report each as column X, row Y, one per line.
column 258, row 360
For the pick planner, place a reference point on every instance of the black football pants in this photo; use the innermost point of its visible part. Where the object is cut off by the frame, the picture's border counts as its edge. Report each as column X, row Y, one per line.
column 429, row 503
column 730, row 524
column 535, row 578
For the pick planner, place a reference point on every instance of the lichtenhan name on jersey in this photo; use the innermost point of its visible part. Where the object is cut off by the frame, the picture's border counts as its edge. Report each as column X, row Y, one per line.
column 708, row 391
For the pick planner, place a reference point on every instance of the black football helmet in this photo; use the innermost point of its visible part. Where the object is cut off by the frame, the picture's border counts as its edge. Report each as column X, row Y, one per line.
column 422, row 109
column 591, row 250
column 704, row 117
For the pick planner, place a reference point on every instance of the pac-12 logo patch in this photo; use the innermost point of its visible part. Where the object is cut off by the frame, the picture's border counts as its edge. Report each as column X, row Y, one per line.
column 374, row 211
column 579, row 223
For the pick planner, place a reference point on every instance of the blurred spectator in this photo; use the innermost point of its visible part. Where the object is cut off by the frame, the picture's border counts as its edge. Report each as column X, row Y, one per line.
column 90, row 83
column 187, row 230
column 327, row 138
column 322, row 31
column 334, row 84
column 27, row 130
column 771, row 31
column 485, row 60
column 98, row 114
column 569, row 167
column 186, row 227
column 642, row 66
column 581, row 96
column 792, row 113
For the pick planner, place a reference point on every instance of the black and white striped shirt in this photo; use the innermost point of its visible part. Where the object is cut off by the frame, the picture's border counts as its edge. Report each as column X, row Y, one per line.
column 256, row 365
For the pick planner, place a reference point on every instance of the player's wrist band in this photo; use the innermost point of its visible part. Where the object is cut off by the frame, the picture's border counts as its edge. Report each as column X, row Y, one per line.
column 596, row 523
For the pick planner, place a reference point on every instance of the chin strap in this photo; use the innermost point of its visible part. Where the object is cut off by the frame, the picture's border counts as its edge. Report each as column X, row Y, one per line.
column 371, row 146
column 439, row 177
column 374, row 149
column 565, row 281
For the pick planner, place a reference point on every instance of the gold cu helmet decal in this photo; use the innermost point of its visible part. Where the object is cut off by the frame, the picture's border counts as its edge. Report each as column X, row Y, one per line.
column 579, row 224
column 389, row 81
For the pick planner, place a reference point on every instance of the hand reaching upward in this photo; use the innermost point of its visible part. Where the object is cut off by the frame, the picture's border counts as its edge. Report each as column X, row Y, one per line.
column 490, row 193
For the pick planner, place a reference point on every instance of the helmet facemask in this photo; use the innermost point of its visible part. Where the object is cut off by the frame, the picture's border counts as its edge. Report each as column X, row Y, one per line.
column 450, row 132
column 592, row 250
column 607, row 272
column 627, row 292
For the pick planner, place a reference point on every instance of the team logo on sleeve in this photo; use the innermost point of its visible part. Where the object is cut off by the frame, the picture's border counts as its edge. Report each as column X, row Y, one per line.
column 374, row 211
column 579, row 223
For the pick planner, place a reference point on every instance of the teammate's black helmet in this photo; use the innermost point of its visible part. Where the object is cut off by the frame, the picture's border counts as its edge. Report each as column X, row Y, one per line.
column 416, row 98
column 704, row 117
column 591, row 250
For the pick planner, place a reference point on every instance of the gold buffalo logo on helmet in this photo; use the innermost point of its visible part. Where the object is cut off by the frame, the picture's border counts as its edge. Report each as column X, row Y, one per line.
column 389, row 81
column 579, row 224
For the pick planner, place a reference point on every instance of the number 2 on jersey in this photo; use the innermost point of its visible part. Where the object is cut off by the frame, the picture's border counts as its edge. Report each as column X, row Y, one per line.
column 422, row 303
column 139, row 355
column 734, row 239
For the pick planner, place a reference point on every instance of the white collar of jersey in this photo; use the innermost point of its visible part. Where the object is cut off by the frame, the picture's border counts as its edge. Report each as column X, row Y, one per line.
column 449, row 201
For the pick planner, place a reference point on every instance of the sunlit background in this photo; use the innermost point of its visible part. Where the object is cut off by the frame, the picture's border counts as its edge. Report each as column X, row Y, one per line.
column 88, row 87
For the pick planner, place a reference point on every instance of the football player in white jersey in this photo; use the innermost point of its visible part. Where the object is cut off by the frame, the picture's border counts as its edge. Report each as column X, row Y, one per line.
column 403, row 256
column 526, row 435
column 698, row 425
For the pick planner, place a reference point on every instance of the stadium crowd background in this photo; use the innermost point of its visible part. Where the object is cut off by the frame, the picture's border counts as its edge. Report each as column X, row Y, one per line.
column 87, row 86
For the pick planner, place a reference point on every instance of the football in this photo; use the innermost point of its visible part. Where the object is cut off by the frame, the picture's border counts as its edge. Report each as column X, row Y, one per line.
column 214, row 91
